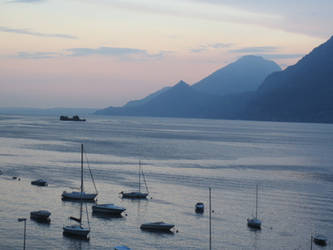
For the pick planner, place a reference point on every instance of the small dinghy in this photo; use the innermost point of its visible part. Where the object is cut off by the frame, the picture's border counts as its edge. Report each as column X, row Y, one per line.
column 108, row 209
column 39, row 182
column 199, row 207
column 157, row 226
column 41, row 215
column 320, row 239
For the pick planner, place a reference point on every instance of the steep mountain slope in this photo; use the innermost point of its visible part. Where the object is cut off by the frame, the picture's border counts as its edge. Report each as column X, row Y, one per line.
column 246, row 74
column 302, row 92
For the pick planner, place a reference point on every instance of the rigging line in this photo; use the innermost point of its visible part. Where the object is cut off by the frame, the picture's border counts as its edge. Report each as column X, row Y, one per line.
column 144, row 179
column 91, row 175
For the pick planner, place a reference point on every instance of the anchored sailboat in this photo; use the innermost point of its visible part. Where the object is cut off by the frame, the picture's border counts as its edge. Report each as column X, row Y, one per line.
column 81, row 195
column 255, row 222
column 137, row 194
column 78, row 229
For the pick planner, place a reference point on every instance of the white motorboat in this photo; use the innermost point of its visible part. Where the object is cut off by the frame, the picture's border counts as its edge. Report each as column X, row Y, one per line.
column 78, row 196
column 108, row 209
column 320, row 239
column 41, row 215
column 78, row 229
column 255, row 223
column 199, row 207
column 157, row 226
column 137, row 194
column 39, row 182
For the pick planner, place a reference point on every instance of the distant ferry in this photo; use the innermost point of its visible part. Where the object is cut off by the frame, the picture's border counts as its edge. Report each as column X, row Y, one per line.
column 74, row 118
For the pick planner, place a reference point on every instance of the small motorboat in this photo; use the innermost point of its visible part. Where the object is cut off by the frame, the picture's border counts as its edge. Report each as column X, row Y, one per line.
column 320, row 239
column 40, row 215
column 134, row 195
column 77, row 196
column 199, row 207
column 157, row 226
column 254, row 223
column 39, row 182
column 122, row 248
column 108, row 209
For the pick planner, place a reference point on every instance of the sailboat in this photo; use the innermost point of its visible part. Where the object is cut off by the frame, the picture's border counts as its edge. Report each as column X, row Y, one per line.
column 78, row 229
column 137, row 194
column 255, row 222
column 81, row 195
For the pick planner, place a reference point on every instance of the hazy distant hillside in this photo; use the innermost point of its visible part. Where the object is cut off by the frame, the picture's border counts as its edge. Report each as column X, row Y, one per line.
column 183, row 101
column 246, row 74
column 146, row 99
column 302, row 92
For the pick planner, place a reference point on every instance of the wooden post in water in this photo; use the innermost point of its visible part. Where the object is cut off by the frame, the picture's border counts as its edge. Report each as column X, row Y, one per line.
column 210, row 219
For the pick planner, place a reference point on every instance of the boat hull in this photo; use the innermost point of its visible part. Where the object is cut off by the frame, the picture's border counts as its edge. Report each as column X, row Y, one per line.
column 40, row 216
column 134, row 195
column 76, row 230
column 77, row 196
column 157, row 226
column 108, row 209
column 41, row 183
column 199, row 208
column 254, row 223
column 320, row 240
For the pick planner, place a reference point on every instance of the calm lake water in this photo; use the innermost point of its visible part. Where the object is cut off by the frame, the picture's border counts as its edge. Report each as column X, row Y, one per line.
column 291, row 162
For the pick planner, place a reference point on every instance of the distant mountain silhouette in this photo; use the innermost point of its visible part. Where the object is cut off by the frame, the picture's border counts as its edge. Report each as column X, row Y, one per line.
column 245, row 74
column 183, row 100
column 146, row 99
column 302, row 92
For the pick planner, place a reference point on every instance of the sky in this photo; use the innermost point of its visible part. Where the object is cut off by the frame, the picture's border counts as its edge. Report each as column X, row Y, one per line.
column 100, row 53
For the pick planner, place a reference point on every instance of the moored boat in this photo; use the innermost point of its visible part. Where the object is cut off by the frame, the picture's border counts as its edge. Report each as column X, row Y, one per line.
column 76, row 230
column 39, row 182
column 320, row 239
column 137, row 194
column 40, row 215
column 122, row 248
column 108, row 209
column 199, row 207
column 81, row 196
column 254, row 222
column 77, row 196
column 157, row 226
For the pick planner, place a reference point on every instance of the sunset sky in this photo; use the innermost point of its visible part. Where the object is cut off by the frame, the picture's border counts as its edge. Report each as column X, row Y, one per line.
column 98, row 53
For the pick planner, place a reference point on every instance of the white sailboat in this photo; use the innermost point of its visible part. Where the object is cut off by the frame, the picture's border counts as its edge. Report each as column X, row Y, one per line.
column 81, row 195
column 137, row 194
column 78, row 229
column 255, row 222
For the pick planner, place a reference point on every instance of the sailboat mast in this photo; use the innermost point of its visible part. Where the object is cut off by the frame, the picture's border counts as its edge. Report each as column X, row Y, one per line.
column 257, row 201
column 210, row 219
column 139, row 176
column 81, row 184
